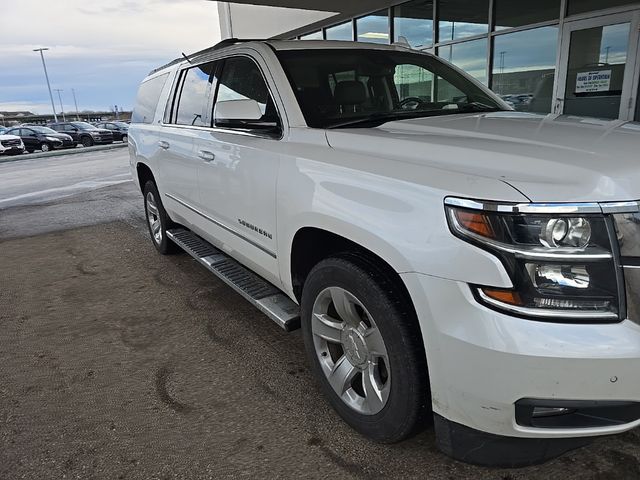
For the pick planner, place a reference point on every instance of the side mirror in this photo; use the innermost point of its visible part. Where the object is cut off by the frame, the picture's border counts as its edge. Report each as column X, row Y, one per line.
column 235, row 110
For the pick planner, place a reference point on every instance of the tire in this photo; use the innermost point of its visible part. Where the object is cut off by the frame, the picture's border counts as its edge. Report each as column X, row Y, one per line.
column 125, row 138
column 387, row 399
column 158, row 222
column 45, row 147
column 87, row 142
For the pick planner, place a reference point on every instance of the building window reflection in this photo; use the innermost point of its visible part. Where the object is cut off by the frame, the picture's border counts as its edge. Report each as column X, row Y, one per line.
column 344, row 31
column 413, row 24
column 469, row 56
column 462, row 18
column 373, row 28
column 517, row 14
column 524, row 65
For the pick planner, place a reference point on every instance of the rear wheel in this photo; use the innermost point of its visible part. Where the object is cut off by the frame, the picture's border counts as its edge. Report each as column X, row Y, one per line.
column 87, row 141
column 157, row 220
column 365, row 348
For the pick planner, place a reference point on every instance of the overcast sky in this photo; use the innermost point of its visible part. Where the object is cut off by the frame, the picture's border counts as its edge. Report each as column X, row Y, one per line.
column 102, row 49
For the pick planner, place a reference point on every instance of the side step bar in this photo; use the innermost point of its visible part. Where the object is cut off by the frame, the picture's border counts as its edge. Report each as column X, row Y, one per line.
column 262, row 294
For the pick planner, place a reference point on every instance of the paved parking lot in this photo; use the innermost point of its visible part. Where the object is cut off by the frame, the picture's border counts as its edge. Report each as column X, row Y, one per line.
column 116, row 362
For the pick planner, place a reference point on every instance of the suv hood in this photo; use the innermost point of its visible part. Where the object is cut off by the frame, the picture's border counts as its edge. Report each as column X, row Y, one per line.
column 548, row 158
column 9, row 137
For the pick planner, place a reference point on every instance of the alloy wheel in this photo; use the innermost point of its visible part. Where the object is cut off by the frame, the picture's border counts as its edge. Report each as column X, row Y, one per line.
column 351, row 350
column 153, row 217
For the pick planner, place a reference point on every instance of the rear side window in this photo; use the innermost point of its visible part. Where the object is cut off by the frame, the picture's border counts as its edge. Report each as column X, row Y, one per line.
column 147, row 99
column 195, row 91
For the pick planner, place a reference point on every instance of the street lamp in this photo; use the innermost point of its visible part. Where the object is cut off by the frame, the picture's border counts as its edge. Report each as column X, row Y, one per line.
column 46, row 75
column 64, row 119
column 73, row 91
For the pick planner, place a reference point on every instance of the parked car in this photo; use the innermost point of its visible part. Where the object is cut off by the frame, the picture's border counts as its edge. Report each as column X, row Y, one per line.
column 119, row 130
column 10, row 144
column 447, row 258
column 42, row 138
column 84, row 133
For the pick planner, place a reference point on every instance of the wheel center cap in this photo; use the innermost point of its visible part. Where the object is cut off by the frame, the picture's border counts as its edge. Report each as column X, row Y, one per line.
column 355, row 348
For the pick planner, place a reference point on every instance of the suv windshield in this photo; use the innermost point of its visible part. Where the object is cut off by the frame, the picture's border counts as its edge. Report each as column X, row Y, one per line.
column 83, row 126
column 352, row 88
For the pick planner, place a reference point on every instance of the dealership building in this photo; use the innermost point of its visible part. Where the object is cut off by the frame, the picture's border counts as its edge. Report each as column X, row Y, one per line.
column 574, row 57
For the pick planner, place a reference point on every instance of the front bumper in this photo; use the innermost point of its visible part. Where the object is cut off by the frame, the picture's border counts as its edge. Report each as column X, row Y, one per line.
column 482, row 362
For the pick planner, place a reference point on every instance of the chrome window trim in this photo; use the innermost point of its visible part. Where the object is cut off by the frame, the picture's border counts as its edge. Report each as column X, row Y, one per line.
column 531, row 253
column 550, row 314
column 545, row 208
column 221, row 225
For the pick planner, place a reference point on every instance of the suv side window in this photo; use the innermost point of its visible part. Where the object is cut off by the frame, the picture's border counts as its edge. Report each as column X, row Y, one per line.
column 147, row 99
column 242, row 79
column 194, row 96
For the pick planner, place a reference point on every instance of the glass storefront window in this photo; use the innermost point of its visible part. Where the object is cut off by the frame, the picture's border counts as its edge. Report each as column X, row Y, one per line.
column 511, row 14
column 524, row 65
column 312, row 36
column 462, row 18
column 469, row 56
column 413, row 23
column 344, row 31
column 582, row 6
column 597, row 61
column 373, row 28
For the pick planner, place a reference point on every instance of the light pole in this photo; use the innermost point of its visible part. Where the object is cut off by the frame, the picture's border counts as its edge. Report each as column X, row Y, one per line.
column 73, row 91
column 46, row 75
column 64, row 119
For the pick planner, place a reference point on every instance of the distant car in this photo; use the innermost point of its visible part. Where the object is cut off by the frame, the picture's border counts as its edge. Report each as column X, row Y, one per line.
column 10, row 144
column 84, row 133
column 41, row 138
column 120, row 130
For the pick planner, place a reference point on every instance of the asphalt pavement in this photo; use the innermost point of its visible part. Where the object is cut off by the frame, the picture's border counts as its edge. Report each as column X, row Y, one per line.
column 117, row 362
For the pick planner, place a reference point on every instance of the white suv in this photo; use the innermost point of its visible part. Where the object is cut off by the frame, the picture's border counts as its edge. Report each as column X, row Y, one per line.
column 446, row 257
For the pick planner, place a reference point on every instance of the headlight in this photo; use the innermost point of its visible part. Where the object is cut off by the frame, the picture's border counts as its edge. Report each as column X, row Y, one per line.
column 561, row 262
column 53, row 139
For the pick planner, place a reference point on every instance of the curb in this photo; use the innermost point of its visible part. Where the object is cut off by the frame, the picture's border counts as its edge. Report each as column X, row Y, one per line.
column 59, row 153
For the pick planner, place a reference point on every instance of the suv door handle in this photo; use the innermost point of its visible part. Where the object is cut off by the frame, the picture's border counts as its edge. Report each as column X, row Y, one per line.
column 206, row 155
column 164, row 145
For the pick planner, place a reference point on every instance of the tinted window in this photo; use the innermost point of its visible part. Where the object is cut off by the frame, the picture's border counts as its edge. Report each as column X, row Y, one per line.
column 581, row 6
column 413, row 23
column 147, row 99
column 344, row 31
column 373, row 28
column 241, row 79
column 194, row 95
column 462, row 18
column 338, row 86
column 516, row 14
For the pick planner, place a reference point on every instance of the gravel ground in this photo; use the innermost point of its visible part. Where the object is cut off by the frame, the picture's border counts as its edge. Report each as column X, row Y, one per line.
column 116, row 362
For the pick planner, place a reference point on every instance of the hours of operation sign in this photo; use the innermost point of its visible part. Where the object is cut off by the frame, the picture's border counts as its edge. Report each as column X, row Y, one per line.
column 587, row 82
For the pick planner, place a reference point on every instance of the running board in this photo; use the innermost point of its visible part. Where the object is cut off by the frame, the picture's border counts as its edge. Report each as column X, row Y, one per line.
column 262, row 294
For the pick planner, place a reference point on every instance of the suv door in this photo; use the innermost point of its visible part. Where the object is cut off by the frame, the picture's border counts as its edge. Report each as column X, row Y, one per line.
column 183, row 119
column 238, row 170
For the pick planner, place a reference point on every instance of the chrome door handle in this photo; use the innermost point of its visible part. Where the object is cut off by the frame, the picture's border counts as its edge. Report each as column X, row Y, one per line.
column 206, row 155
column 163, row 145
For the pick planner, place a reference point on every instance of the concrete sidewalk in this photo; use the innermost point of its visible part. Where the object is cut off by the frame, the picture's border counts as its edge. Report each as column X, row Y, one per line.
column 58, row 153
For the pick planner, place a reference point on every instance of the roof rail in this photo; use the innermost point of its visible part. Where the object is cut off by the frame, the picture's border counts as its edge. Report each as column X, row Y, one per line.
column 221, row 44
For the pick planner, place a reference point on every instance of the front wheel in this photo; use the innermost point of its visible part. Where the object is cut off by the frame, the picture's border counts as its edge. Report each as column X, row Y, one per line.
column 45, row 147
column 365, row 348
column 87, row 141
column 157, row 220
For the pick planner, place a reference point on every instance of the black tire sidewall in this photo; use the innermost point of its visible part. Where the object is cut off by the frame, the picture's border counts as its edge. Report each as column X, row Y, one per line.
column 405, row 410
column 87, row 141
column 166, row 246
